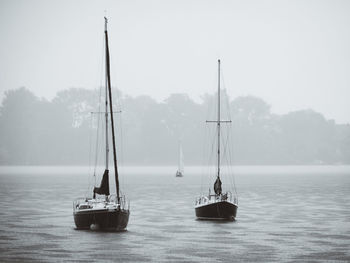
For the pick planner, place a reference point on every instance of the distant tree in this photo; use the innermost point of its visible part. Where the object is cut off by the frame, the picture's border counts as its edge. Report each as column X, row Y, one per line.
column 308, row 137
column 38, row 131
column 253, row 130
column 18, row 120
column 250, row 108
column 183, row 118
column 342, row 142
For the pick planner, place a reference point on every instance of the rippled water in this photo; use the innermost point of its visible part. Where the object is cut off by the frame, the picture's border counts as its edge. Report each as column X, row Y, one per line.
column 285, row 214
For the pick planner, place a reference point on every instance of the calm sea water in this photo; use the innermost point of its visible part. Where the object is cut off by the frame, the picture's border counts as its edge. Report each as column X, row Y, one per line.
column 285, row 214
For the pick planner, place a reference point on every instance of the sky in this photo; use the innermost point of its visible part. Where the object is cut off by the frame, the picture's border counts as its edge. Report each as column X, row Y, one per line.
column 293, row 54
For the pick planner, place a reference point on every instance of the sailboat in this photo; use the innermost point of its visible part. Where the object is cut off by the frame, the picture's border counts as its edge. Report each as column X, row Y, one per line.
column 180, row 169
column 217, row 206
column 107, row 212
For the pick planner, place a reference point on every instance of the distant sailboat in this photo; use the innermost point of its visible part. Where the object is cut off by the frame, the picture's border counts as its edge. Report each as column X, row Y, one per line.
column 217, row 206
column 180, row 169
column 107, row 211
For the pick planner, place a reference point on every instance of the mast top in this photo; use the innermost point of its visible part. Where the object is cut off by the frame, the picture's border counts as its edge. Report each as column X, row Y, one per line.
column 106, row 21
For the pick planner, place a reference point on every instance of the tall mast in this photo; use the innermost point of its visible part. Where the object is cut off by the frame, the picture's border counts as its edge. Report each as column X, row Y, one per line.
column 106, row 108
column 111, row 111
column 218, row 121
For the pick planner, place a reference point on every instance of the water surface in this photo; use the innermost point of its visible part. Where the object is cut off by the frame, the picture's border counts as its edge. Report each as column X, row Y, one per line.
column 285, row 214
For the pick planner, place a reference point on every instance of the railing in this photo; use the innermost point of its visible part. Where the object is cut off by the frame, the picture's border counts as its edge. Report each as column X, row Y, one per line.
column 89, row 202
column 77, row 202
column 123, row 202
column 212, row 198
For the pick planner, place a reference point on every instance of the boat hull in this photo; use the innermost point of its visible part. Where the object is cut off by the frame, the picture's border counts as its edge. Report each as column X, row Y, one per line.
column 105, row 219
column 179, row 174
column 222, row 210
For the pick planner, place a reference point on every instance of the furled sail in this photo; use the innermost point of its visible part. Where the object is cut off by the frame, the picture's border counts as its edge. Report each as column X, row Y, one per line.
column 217, row 186
column 104, row 187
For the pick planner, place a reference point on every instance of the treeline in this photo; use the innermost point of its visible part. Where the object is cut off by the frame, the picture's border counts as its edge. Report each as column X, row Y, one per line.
column 35, row 131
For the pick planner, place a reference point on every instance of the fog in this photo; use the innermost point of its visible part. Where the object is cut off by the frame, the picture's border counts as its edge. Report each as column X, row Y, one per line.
column 285, row 80
column 63, row 131
column 292, row 54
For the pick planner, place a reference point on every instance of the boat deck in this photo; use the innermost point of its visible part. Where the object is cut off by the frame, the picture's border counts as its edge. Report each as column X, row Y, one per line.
column 211, row 199
column 99, row 204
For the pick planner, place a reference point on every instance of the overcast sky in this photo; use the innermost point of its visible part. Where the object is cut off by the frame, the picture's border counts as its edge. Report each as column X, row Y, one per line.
column 293, row 54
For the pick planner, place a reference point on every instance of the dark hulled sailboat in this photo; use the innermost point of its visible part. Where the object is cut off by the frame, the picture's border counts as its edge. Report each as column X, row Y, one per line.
column 217, row 206
column 107, row 212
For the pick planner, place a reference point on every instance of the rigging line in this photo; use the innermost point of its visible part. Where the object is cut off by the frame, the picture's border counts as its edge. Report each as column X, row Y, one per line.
column 212, row 156
column 232, row 167
column 203, row 158
column 234, row 182
column 120, row 101
column 225, row 153
column 226, row 97
column 208, row 150
column 122, row 150
column 209, row 162
column 204, row 155
column 207, row 156
column 212, row 131
column 97, row 135
column 97, row 153
column 90, row 149
column 230, row 150
column 231, row 153
column 206, row 138
column 121, row 155
column 211, row 152
column 225, row 143
column 229, row 156
column 232, row 172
